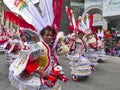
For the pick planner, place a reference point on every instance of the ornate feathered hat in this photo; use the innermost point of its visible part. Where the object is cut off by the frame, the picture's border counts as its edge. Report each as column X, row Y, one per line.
column 50, row 12
column 79, row 25
column 46, row 13
column 100, row 33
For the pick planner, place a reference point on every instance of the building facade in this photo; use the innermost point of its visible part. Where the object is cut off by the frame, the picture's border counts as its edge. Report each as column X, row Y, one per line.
column 111, row 12
column 6, row 23
column 94, row 7
column 106, row 12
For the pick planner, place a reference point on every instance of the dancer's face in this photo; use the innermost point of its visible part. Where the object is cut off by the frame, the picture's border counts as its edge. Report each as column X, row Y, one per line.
column 81, row 35
column 48, row 37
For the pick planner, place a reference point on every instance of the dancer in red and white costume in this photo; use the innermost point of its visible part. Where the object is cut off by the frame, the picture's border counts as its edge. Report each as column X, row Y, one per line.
column 101, row 45
column 37, row 67
column 80, row 66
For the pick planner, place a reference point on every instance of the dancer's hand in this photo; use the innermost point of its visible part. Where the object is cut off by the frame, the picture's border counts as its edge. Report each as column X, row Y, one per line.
column 42, row 73
column 25, row 75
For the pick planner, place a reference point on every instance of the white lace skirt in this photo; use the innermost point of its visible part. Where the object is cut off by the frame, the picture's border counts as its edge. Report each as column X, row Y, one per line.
column 92, row 57
column 101, row 55
column 31, row 84
column 56, row 87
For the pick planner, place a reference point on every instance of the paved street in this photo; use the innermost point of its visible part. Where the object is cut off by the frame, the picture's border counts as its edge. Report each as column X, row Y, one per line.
column 106, row 77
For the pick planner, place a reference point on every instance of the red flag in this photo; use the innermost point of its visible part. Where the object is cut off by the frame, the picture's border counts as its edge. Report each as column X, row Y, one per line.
column 8, row 15
column 71, row 19
column 91, row 21
column 57, row 10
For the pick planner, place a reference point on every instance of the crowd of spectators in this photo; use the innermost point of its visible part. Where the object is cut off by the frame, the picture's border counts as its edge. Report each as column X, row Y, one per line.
column 112, row 43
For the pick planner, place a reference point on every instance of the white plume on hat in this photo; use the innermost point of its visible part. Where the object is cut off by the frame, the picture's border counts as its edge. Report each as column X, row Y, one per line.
column 81, row 23
column 87, row 21
column 100, row 33
column 84, row 26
